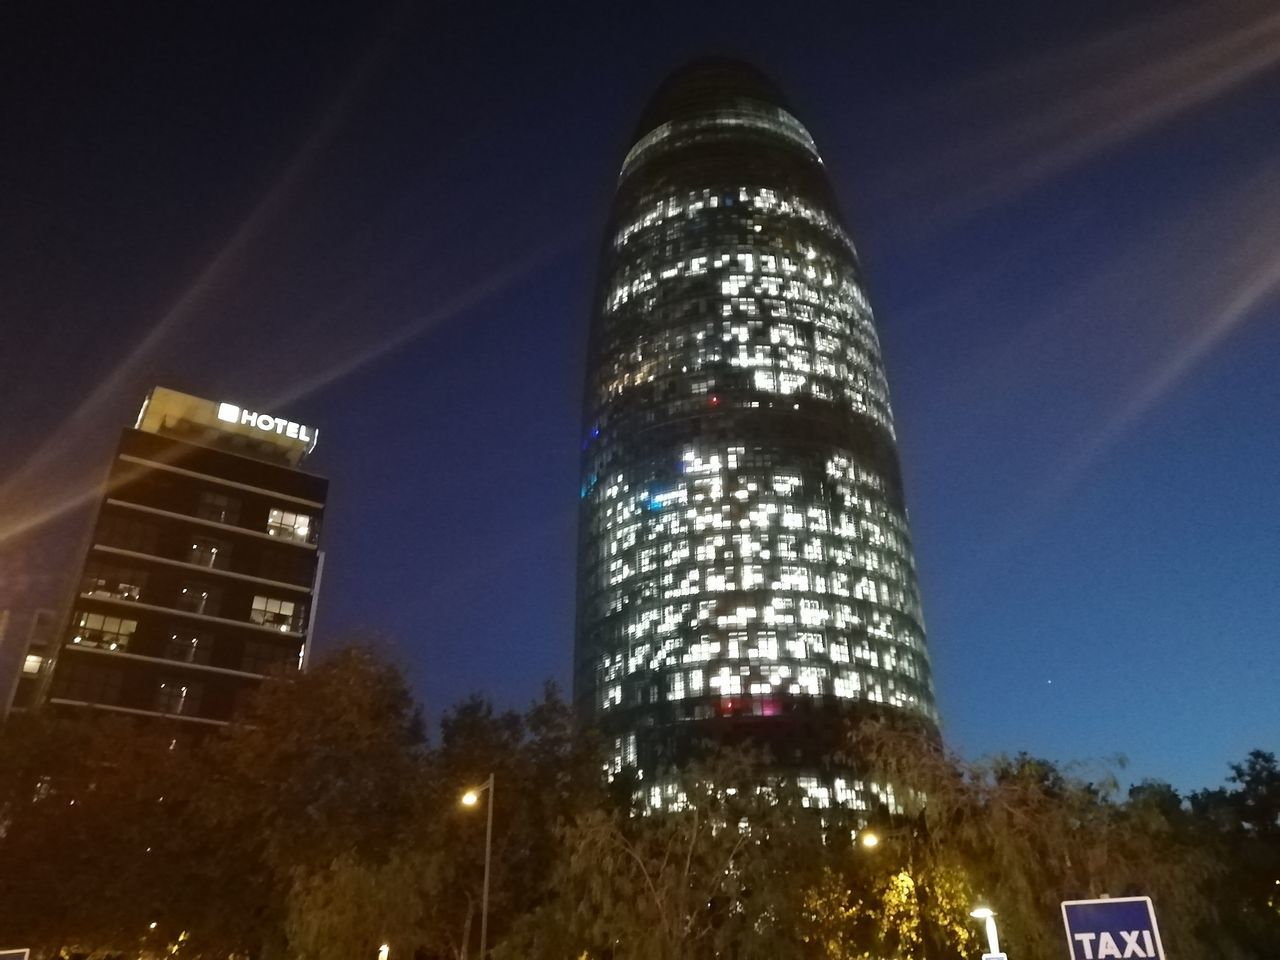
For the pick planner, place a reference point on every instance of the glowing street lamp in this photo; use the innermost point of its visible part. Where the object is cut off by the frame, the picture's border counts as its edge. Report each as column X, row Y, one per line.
column 982, row 912
column 869, row 839
column 470, row 799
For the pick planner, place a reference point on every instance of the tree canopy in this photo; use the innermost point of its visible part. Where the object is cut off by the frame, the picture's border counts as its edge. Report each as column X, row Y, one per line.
column 324, row 824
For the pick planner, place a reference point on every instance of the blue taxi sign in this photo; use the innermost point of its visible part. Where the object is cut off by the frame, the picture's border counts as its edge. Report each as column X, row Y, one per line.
column 1113, row 928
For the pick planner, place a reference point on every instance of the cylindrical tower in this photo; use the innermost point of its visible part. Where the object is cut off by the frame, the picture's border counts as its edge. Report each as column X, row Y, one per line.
column 745, row 567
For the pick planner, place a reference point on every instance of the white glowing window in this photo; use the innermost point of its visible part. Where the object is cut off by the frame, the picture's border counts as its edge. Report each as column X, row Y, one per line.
column 103, row 632
column 289, row 525
column 272, row 612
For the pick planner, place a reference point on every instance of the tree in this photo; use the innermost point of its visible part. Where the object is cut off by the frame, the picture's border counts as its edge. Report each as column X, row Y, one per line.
column 1244, row 825
column 111, row 826
column 345, row 910
column 546, row 771
column 85, row 825
column 320, row 770
column 322, row 824
column 1028, row 835
column 722, row 872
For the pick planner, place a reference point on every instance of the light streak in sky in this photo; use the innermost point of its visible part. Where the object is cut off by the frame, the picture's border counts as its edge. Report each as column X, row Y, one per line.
column 1217, row 269
column 1204, row 273
column 32, row 474
column 410, row 330
column 1260, row 287
column 1117, row 88
column 84, row 492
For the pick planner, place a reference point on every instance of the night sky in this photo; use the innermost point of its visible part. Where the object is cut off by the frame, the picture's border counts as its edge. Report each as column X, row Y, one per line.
column 384, row 219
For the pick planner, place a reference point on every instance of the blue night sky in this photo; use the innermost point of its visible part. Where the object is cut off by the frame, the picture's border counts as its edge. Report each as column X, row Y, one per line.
column 383, row 219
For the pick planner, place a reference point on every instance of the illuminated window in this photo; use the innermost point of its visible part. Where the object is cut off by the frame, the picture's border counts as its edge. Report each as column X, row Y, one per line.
column 272, row 612
column 31, row 665
column 111, row 581
column 103, row 632
column 289, row 526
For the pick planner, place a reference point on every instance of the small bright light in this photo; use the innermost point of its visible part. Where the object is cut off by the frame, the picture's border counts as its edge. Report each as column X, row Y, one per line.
column 982, row 913
column 870, row 839
column 384, row 951
column 470, row 798
column 152, row 925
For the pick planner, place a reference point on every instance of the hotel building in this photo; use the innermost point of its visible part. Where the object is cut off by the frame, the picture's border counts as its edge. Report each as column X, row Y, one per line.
column 203, row 567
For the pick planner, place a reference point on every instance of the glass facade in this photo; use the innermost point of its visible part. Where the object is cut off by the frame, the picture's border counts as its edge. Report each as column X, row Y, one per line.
column 745, row 565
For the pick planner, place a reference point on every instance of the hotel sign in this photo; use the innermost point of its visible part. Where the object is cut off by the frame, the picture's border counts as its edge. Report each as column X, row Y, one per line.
column 230, row 413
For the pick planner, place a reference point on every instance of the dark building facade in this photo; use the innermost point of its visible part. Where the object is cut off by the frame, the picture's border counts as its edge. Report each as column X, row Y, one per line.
column 745, row 565
column 203, row 566
column 34, row 647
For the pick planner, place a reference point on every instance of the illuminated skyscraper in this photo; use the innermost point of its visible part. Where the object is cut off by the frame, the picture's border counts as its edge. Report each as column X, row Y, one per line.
column 745, row 567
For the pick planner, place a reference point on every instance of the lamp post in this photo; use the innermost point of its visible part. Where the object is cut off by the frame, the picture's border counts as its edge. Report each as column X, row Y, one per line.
column 470, row 799
column 989, row 915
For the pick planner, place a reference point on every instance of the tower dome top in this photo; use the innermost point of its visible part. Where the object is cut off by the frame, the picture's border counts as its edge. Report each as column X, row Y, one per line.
column 705, row 85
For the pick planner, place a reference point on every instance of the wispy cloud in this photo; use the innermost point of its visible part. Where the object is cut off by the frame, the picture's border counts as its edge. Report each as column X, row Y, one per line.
column 1046, row 115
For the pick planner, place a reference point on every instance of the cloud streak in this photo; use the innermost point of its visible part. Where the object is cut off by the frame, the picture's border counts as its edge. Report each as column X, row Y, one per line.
column 1068, row 107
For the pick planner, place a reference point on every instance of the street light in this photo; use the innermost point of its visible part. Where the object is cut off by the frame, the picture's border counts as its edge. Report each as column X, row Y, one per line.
column 989, row 915
column 869, row 839
column 470, row 799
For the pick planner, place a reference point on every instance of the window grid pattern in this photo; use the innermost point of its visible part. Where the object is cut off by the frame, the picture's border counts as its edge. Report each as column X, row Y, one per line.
column 89, row 682
column 284, row 615
column 702, row 305
column 288, row 525
column 744, row 541
column 113, row 581
column 103, row 632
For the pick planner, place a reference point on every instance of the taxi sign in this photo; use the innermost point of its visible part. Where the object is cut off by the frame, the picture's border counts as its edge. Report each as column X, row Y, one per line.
column 1114, row 928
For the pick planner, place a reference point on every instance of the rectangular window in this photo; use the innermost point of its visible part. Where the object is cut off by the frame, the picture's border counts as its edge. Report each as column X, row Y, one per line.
column 200, row 598
column 113, row 581
column 208, row 552
column 124, row 533
column 103, row 632
column 218, row 507
column 189, row 647
column 88, row 682
column 177, row 696
column 285, row 615
column 289, row 526
column 31, row 666
column 270, row 658
column 284, row 563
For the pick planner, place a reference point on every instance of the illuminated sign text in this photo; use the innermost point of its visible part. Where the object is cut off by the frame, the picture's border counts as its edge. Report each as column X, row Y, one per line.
column 230, row 413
